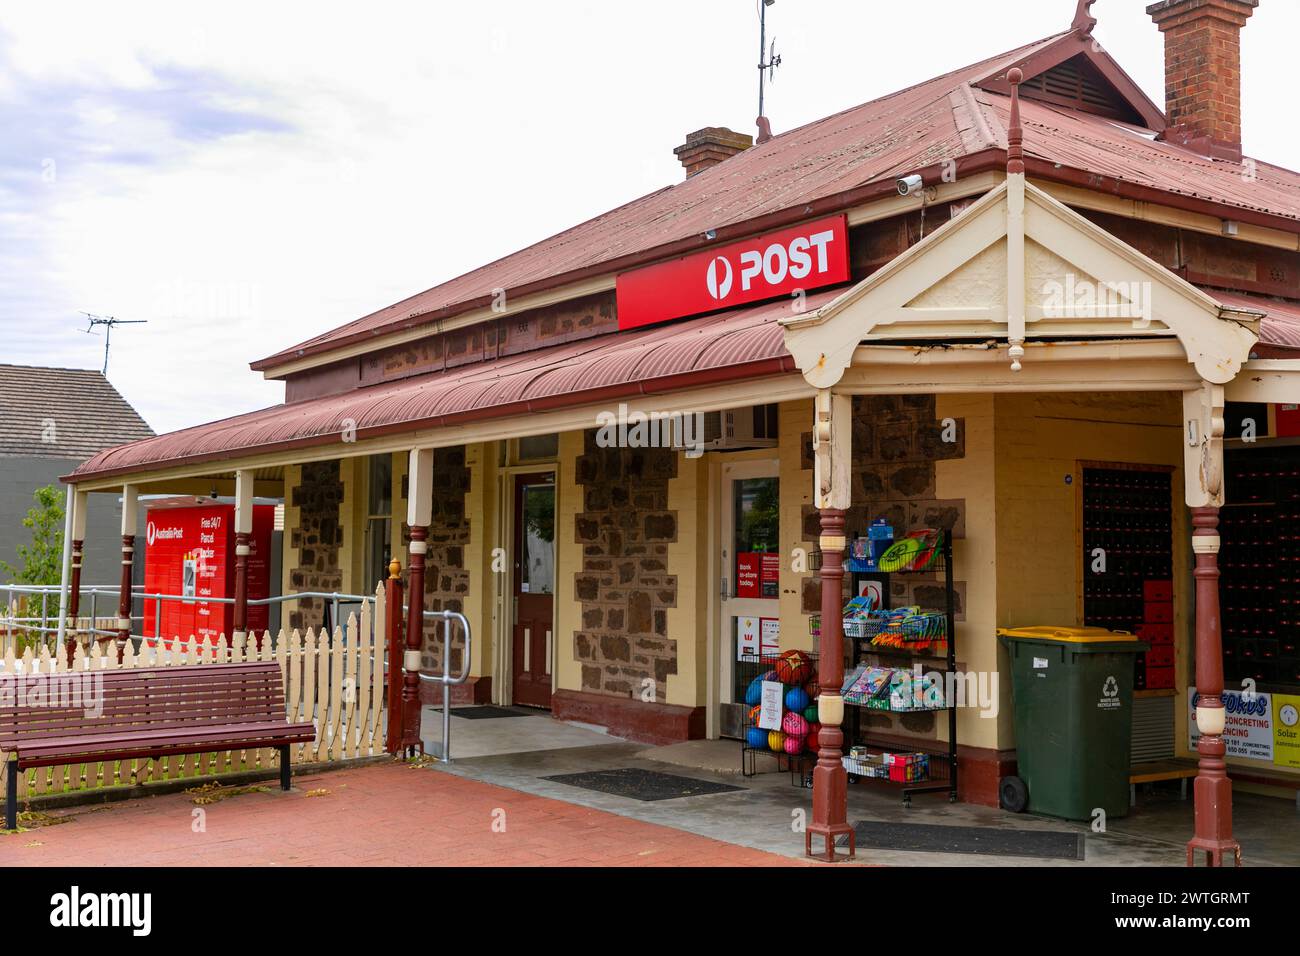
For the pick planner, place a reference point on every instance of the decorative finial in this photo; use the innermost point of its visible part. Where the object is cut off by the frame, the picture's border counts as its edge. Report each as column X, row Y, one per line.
column 394, row 569
column 1015, row 134
column 764, row 130
column 1083, row 21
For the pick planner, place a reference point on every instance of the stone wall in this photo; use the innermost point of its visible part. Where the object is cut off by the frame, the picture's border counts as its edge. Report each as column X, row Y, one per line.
column 624, row 590
column 446, row 577
column 316, row 540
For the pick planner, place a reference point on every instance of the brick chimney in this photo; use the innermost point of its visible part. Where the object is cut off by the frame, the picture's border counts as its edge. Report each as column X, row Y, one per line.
column 1203, row 72
column 710, row 146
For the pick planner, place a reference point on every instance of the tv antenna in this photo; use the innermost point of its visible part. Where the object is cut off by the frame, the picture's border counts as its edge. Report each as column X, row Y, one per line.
column 107, row 321
column 773, row 59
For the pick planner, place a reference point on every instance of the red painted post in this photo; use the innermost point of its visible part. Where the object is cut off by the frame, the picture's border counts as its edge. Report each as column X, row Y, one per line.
column 124, row 595
column 1212, row 788
column 242, row 548
column 830, row 780
column 393, row 606
column 74, row 597
column 414, row 641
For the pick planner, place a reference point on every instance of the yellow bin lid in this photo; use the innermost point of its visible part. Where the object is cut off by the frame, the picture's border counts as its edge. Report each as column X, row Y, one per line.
column 1072, row 635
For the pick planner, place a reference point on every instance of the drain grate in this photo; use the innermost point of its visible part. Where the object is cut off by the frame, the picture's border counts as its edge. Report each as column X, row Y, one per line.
column 641, row 784
column 487, row 712
column 983, row 841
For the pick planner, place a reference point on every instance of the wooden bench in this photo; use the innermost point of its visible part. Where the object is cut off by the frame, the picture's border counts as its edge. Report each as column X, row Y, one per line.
column 1180, row 770
column 147, row 712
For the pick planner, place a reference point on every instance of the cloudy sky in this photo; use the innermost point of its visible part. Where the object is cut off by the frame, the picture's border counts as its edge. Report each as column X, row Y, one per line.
column 246, row 175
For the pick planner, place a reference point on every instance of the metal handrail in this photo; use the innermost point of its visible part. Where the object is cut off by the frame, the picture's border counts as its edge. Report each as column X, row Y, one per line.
column 446, row 680
column 45, row 591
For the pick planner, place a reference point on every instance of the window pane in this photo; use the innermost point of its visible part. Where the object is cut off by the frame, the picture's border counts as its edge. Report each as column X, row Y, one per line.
column 758, row 533
column 381, row 485
column 538, row 540
column 538, row 447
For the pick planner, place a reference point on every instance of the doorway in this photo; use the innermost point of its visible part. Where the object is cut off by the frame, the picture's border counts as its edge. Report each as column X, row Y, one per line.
column 750, row 592
column 533, row 589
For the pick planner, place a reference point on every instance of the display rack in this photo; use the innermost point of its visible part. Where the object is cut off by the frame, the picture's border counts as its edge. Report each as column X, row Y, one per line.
column 925, row 767
column 799, row 765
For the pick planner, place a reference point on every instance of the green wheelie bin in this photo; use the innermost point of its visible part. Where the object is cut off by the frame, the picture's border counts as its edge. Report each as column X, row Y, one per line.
column 1072, row 688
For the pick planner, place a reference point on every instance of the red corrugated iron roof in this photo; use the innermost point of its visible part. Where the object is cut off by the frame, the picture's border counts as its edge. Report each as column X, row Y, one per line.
column 940, row 119
column 742, row 343
column 1281, row 325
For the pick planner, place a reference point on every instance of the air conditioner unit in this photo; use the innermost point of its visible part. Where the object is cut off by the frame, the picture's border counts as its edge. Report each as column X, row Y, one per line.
column 737, row 428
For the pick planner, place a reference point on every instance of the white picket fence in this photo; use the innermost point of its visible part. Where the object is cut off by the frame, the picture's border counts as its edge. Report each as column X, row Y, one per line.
column 336, row 681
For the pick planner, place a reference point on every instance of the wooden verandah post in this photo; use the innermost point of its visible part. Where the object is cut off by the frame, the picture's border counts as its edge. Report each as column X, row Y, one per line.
column 1203, row 476
column 418, row 516
column 832, row 438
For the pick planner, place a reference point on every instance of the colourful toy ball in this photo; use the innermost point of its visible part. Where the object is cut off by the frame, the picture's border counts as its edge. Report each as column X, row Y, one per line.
column 810, row 713
column 796, row 699
column 793, row 667
column 775, row 741
column 756, row 738
column 754, row 692
column 814, row 729
column 794, row 725
column 793, row 745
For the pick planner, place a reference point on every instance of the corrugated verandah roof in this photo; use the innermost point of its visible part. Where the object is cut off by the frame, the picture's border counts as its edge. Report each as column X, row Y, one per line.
column 730, row 345
column 942, row 118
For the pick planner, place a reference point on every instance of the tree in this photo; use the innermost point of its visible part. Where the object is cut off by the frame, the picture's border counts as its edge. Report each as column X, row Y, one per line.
column 41, row 561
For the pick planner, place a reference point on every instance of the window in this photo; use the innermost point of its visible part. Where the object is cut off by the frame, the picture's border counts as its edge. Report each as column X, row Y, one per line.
column 379, row 518
column 537, row 448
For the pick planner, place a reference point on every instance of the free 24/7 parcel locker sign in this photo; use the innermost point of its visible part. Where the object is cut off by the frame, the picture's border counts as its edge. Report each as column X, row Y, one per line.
column 776, row 264
column 190, row 551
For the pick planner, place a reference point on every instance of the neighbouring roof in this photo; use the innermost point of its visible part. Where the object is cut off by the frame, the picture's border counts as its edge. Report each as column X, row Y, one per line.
column 63, row 413
column 741, row 343
column 958, row 115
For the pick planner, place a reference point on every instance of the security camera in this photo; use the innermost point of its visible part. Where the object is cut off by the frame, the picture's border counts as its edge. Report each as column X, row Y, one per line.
column 909, row 184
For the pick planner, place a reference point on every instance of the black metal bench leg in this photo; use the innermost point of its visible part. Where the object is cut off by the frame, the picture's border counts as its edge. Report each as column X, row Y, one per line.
column 284, row 768
column 11, row 797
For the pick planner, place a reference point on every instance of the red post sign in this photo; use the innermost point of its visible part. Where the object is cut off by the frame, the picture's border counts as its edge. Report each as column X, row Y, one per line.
column 781, row 263
column 190, row 552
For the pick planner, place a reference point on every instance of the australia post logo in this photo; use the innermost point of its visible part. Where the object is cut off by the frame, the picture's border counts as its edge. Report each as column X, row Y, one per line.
column 764, row 267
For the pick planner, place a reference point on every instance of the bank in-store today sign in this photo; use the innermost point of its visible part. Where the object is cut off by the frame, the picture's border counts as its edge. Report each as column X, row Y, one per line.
column 782, row 263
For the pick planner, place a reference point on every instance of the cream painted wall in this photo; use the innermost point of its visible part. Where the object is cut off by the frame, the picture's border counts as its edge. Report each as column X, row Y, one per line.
column 353, row 473
column 479, row 507
column 795, row 420
column 974, row 557
column 289, row 553
column 1040, row 439
column 568, row 561
column 688, row 560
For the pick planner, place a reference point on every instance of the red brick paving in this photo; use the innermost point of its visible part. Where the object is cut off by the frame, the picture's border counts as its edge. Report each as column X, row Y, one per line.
column 384, row 815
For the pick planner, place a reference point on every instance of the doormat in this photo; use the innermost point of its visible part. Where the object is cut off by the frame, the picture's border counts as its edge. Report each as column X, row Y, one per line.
column 641, row 784
column 486, row 712
column 983, row 841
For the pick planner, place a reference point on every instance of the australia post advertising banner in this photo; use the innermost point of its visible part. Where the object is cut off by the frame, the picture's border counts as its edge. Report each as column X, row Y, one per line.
column 190, row 552
column 776, row 264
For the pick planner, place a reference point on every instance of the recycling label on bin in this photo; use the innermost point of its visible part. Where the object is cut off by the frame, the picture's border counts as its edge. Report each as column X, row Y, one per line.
column 1040, row 662
column 1109, row 699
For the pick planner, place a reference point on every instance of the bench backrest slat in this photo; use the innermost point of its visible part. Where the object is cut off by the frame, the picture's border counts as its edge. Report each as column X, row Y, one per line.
column 146, row 698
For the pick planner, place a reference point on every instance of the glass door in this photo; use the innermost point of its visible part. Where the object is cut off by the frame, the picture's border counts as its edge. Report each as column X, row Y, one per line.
column 751, row 582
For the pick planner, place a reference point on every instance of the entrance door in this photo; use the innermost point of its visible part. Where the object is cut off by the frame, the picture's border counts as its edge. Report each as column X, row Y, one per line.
column 534, row 588
column 751, row 565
